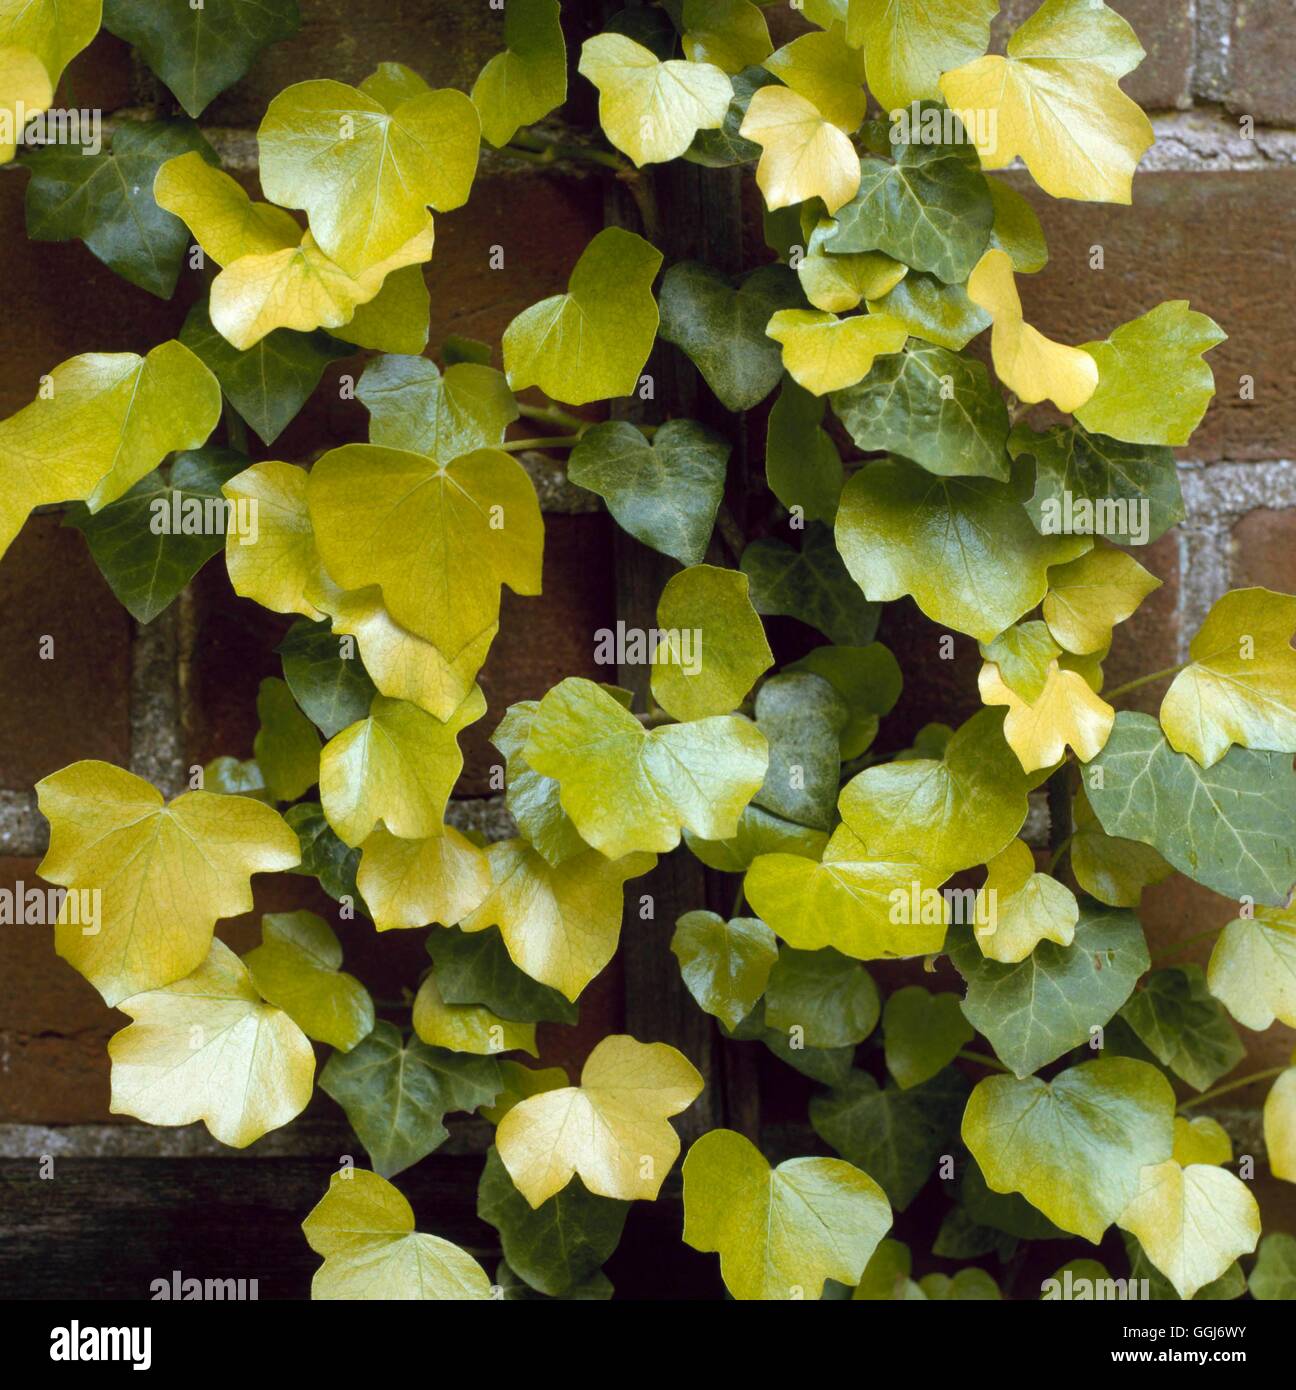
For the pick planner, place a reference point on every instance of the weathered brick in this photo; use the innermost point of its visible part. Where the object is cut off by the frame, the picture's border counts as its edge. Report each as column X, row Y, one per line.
column 75, row 705
column 1261, row 551
column 1149, row 641
column 1263, row 58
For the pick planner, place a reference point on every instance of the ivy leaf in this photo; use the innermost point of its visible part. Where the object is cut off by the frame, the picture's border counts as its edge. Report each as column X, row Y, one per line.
column 1153, row 386
column 629, row 788
column 824, row 353
column 803, row 155
column 167, row 871
column 27, row 91
column 649, row 109
column 897, row 1134
column 105, row 421
column 207, row 1047
column 1057, row 103
column 968, row 1285
column 592, row 342
column 1091, row 594
column 1280, row 1126
column 909, row 43
column 933, row 311
column 1066, row 713
column 106, row 200
column 923, row 1033
column 1240, row 686
column 1034, row 1011
column 780, row 1233
column 934, row 407
column 396, row 1094
column 364, row 1229
column 519, row 1083
column 1273, row 1277
column 722, row 329
column 1086, row 484
column 365, row 176
column 1073, row 1147
column 323, row 856
column 727, row 653
column 1201, row 1140
column 397, row 766
column 297, row 967
column 438, row 539
column 1192, row 1222
column 839, row 282
column 830, row 999
column 664, row 492
column 279, row 569
column 144, row 567
column 613, row 1130
column 1017, row 229
column 236, row 778
column 1253, row 968
column 270, row 382
column 468, row 1028
column 1024, row 655
column 930, row 209
column 286, row 748
column 1231, row 827
column 1022, row 907
column 54, row 30
column 333, row 688
column 827, row 1065
column 224, row 221
column 1111, row 869
column 830, row 75
column 725, row 965
column 867, row 678
column 1032, row 366
column 558, row 1245
column 525, row 82
column 411, row 883
column 1230, row 1285
column 560, row 922
column 1185, row 1029
column 732, row 34
column 723, row 148
column 200, row 52
column 758, row 832
column 963, row 547
column 803, row 718
column 396, row 318
column 812, row 585
column 532, row 799
column 476, row 969
column 415, row 407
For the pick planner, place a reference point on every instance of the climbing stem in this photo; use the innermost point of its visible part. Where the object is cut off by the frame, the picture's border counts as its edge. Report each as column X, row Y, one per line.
column 992, row 1062
column 1232, row 1086
column 1110, row 695
column 550, row 441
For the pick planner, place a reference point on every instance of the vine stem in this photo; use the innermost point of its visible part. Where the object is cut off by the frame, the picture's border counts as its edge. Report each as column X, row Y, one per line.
column 552, row 415
column 538, row 149
column 1232, row 1086
column 992, row 1062
column 1125, row 689
column 550, row 441
column 1184, row 945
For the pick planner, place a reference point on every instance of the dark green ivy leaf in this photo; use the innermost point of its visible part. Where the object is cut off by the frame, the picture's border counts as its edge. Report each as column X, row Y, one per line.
column 270, row 382
column 803, row 718
column 932, row 406
column 396, row 1094
column 514, row 1289
column 557, row 1246
column 106, row 200
column 722, row 328
column 333, row 689
column 476, row 968
column 200, row 50
column 895, row 1136
column 147, row 568
column 830, row 1066
column 830, row 997
column 802, row 465
column 664, row 492
column 1184, row 1026
column 1007, row 1212
column 723, row 148
column 323, row 855
column 811, row 584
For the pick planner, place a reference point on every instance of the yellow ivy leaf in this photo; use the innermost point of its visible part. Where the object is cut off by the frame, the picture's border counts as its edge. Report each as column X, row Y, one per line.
column 519, row 1083
column 1252, row 968
column 1029, row 364
column 364, row 1229
column 732, row 34
column 395, row 320
column 1280, row 1126
column 226, row 223
column 287, row 746
column 648, row 109
column 166, row 871
column 780, row 1232
column 1088, row 596
column 54, row 30
column 1057, row 102
column 802, row 154
column 1240, row 686
column 525, row 82
column 824, row 353
column 467, row 1027
column 1192, row 1222
column 100, row 423
column 827, row 73
column 365, row 175
column 1067, row 712
column 839, row 283
column 438, row 539
column 560, row 922
column 1018, row 908
column 397, row 766
column 283, row 564
column 208, row 1047
column 1201, row 1140
column 613, row 1129
column 25, row 91
column 412, row 883
column 909, row 43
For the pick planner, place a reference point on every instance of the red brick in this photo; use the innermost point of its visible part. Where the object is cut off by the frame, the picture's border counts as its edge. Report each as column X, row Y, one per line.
column 1262, row 552
column 98, row 77
column 1149, row 641
column 76, row 705
column 1263, row 53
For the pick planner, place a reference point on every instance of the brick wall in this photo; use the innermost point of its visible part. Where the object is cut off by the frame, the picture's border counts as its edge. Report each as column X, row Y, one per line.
column 1213, row 222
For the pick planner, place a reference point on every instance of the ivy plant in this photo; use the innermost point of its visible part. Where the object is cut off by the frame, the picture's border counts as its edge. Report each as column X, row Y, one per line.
column 1049, row 1092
